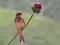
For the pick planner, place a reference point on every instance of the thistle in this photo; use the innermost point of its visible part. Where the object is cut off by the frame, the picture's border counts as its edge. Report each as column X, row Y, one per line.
column 37, row 7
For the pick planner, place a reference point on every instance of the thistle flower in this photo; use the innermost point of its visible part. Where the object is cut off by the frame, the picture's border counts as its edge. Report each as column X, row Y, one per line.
column 37, row 7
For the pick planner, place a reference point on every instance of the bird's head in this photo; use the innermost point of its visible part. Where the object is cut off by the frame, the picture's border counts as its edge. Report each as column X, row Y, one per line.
column 19, row 14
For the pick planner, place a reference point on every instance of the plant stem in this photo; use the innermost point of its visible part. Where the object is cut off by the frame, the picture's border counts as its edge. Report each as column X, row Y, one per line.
column 21, row 30
column 29, row 20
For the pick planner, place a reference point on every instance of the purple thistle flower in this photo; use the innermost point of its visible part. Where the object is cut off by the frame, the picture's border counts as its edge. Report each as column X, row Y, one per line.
column 37, row 7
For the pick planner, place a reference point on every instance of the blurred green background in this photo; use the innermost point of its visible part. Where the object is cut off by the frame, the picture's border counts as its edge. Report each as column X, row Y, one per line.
column 44, row 29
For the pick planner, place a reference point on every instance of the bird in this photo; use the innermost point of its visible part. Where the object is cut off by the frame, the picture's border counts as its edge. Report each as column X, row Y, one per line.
column 19, row 24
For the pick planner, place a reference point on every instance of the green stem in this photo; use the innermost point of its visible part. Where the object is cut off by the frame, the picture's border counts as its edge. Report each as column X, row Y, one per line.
column 21, row 30
column 29, row 20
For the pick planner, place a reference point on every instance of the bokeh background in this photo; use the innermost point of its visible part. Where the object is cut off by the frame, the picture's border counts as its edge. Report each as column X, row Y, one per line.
column 44, row 29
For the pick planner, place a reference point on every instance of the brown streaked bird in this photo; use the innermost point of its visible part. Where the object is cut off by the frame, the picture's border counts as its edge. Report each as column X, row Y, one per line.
column 19, row 23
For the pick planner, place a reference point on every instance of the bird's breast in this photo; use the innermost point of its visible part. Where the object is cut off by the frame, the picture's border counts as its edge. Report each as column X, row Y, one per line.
column 19, row 24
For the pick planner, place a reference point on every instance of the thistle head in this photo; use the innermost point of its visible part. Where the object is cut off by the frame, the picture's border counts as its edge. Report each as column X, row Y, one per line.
column 37, row 7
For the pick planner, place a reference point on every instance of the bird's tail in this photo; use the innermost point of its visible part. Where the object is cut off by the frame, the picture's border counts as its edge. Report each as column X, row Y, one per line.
column 22, row 37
